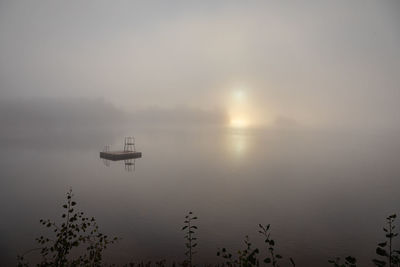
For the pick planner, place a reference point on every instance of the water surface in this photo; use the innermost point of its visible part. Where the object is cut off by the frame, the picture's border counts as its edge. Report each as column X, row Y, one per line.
column 325, row 193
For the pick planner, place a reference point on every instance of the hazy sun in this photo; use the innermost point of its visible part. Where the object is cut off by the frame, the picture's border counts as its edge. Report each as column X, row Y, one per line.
column 238, row 109
column 239, row 122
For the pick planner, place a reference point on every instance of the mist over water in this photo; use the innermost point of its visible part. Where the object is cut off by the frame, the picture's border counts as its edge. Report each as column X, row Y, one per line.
column 324, row 192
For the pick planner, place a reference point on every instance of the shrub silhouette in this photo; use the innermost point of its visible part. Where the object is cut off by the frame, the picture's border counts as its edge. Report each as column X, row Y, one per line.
column 391, row 256
column 77, row 241
column 385, row 249
column 248, row 256
column 349, row 261
column 77, row 233
column 191, row 242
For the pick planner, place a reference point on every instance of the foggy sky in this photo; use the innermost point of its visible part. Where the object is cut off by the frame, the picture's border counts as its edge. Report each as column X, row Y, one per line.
column 331, row 63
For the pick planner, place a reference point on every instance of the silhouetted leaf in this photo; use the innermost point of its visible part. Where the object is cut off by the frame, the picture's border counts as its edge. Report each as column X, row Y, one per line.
column 351, row 259
column 383, row 244
column 379, row 263
column 381, row 251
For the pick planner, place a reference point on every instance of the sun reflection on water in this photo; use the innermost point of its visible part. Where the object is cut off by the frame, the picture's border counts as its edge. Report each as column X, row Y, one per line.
column 238, row 143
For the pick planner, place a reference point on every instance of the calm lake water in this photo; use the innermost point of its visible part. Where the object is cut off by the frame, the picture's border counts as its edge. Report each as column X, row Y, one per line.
column 326, row 194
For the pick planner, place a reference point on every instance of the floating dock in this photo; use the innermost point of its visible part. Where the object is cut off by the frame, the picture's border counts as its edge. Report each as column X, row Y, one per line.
column 120, row 155
column 129, row 151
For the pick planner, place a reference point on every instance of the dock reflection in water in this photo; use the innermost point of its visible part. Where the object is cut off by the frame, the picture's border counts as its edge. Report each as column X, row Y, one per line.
column 128, row 155
column 129, row 164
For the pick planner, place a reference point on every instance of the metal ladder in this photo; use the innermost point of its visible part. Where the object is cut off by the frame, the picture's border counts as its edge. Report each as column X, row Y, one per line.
column 129, row 145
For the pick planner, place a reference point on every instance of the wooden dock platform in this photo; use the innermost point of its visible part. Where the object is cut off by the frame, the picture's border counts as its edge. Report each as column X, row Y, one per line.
column 120, row 155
